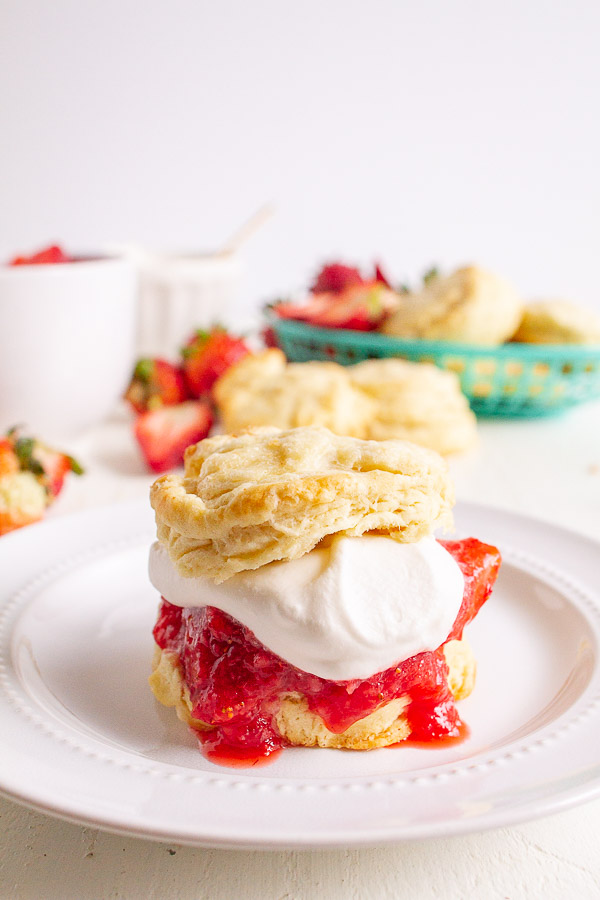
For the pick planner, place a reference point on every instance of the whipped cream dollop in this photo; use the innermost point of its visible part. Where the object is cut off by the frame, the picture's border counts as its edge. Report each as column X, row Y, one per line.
column 347, row 610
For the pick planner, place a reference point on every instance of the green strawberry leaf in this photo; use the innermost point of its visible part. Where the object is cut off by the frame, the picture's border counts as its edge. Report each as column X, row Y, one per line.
column 76, row 467
column 143, row 369
column 24, row 448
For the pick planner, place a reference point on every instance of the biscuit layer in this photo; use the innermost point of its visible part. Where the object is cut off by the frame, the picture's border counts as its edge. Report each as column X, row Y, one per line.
column 302, row 727
column 248, row 500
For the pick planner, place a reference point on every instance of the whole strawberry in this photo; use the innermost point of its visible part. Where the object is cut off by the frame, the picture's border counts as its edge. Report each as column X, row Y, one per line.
column 155, row 383
column 335, row 278
column 207, row 355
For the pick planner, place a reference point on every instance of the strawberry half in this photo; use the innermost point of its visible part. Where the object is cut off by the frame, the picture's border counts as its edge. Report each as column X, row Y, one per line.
column 53, row 254
column 207, row 355
column 56, row 466
column 335, row 278
column 155, row 383
column 164, row 433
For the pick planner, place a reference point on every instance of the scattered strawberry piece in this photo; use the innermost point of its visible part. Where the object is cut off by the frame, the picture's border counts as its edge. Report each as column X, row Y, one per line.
column 50, row 466
column 164, row 433
column 56, row 466
column 31, row 477
column 155, row 383
column 359, row 308
column 335, row 278
column 23, row 501
column 207, row 355
column 49, row 255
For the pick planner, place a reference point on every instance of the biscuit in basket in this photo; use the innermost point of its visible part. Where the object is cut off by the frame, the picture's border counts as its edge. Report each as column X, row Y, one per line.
column 558, row 322
column 471, row 305
column 247, row 500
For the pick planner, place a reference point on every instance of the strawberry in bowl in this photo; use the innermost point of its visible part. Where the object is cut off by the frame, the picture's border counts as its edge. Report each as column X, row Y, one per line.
column 47, row 256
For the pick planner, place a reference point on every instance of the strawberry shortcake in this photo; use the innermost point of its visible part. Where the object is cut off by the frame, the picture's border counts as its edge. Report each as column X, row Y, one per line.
column 305, row 599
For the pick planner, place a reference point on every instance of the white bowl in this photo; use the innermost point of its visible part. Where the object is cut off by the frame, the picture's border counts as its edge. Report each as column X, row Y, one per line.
column 67, row 343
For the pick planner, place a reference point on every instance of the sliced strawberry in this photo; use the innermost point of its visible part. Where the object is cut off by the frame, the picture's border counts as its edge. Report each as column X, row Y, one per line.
column 207, row 355
column 335, row 278
column 164, row 433
column 154, row 383
column 310, row 309
column 52, row 254
column 359, row 308
column 55, row 466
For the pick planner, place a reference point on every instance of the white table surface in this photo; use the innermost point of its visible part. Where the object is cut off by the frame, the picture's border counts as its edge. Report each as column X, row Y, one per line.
column 547, row 468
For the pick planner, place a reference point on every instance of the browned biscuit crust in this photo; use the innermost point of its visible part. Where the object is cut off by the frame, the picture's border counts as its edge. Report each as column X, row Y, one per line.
column 250, row 499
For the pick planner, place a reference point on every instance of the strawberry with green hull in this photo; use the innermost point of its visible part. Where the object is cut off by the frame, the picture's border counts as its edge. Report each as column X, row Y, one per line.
column 207, row 355
column 32, row 475
column 165, row 432
column 155, row 383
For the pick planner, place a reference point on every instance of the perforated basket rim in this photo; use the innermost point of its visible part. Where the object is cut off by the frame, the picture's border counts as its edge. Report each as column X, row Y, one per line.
column 373, row 341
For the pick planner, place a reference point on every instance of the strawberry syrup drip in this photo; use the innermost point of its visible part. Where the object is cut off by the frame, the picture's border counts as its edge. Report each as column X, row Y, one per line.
column 235, row 683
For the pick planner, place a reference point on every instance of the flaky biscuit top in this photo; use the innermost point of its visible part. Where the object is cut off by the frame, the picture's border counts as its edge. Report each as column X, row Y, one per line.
column 247, row 500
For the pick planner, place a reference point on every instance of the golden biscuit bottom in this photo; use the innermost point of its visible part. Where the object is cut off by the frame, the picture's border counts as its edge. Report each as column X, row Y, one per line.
column 301, row 727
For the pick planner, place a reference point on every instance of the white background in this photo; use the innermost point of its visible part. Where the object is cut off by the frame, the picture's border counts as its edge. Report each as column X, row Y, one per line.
column 408, row 131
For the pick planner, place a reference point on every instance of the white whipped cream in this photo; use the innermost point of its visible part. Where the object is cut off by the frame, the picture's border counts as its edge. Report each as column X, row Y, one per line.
column 349, row 610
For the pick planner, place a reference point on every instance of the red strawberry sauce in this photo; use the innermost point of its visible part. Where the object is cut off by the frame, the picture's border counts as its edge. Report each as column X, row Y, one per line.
column 235, row 682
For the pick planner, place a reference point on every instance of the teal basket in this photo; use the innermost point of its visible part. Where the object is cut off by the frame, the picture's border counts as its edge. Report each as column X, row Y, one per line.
column 507, row 380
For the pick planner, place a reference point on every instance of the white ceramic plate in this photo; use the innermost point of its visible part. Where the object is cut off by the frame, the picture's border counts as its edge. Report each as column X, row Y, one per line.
column 83, row 738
